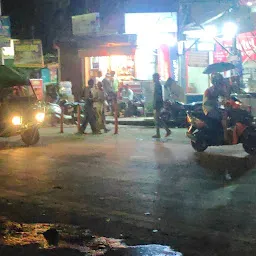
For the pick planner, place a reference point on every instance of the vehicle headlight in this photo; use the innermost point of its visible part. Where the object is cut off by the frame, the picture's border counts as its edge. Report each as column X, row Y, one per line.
column 17, row 120
column 40, row 117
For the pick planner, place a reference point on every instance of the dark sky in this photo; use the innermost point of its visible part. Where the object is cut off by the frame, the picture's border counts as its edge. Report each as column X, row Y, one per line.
column 23, row 18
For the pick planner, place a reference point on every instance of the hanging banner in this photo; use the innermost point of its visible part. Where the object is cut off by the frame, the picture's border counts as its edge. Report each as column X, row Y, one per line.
column 38, row 87
column 28, row 54
column 221, row 54
column 174, row 62
column 246, row 43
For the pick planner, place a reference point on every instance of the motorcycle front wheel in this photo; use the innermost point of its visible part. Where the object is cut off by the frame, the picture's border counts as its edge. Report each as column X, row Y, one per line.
column 30, row 137
column 199, row 146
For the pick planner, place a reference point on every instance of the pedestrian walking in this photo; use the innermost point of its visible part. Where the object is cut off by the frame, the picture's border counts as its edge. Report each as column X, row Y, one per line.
column 158, row 104
column 90, row 115
column 98, row 103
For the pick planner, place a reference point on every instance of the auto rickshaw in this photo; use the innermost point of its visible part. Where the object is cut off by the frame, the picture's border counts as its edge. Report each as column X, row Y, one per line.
column 20, row 111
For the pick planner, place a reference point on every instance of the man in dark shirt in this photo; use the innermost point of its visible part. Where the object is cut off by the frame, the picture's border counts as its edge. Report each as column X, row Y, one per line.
column 158, row 104
column 90, row 115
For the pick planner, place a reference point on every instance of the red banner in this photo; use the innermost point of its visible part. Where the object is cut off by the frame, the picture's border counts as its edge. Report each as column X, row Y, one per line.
column 246, row 43
column 221, row 53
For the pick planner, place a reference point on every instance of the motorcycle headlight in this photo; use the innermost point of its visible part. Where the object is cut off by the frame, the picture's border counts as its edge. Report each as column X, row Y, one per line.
column 17, row 120
column 40, row 117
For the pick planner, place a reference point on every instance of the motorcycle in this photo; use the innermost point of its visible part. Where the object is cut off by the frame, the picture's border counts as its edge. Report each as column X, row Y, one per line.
column 176, row 112
column 204, row 131
column 70, row 111
column 135, row 107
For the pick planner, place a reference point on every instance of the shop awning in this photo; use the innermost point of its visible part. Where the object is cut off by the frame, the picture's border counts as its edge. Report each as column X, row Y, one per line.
column 107, row 45
column 107, row 51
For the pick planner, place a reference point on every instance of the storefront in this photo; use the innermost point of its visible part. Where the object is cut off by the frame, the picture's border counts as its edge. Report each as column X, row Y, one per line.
column 246, row 44
column 197, row 56
column 156, row 44
column 105, row 54
column 205, row 52
column 149, row 45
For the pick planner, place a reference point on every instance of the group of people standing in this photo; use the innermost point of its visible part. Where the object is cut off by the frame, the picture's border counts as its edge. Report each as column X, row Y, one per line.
column 107, row 88
column 101, row 93
column 95, row 108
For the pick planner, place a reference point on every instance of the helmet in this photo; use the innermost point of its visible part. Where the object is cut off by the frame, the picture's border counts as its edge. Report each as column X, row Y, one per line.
column 217, row 79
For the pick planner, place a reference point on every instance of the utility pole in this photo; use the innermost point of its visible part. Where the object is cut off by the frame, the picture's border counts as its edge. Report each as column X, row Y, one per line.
column 0, row 7
column 2, row 57
column 183, row 16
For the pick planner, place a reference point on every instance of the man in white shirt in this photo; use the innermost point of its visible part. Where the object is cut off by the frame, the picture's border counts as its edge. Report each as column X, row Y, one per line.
column 127, row 94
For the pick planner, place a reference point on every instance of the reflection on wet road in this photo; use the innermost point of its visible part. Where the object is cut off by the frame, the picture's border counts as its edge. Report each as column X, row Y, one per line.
column 136, row 188
column 147, row 250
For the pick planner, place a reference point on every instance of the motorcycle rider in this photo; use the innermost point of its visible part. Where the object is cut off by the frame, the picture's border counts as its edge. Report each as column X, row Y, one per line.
column 210, row 101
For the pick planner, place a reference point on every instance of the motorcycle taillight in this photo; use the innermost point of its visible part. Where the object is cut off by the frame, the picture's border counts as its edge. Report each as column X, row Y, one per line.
column 199, row 124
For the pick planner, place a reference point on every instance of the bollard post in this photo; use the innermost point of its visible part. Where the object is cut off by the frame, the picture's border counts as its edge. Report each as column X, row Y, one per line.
column 78, row 118
column 116, row 115
column 62, row 120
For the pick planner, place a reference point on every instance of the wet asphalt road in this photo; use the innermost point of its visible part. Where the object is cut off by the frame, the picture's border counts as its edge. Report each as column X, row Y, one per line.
column 134, row 187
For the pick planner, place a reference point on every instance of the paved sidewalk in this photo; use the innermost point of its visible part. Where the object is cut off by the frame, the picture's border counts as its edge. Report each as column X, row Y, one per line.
column 136, row 121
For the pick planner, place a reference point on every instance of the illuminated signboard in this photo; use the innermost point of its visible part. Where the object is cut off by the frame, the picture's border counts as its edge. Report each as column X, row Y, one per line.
column 151, row 23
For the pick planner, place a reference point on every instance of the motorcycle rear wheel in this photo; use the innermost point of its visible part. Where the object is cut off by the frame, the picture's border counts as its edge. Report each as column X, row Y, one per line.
column 199, row 146
column 251, row 150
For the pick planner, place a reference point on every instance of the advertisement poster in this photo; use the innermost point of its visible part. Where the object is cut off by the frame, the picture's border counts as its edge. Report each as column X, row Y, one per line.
column 163, row 62
column 86, row 24
column 28, row 54
column 174, row 62
column 5, row 31
column 38, row 87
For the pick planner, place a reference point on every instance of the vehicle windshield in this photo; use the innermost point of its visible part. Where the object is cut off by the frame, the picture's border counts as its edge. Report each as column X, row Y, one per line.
column 18, row 91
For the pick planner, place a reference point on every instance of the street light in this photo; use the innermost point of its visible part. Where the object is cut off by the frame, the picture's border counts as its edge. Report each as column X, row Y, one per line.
column 229, row 30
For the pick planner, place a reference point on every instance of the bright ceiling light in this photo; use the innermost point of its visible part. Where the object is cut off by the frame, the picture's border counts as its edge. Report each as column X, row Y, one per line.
column 249, row 3
column 229, row 30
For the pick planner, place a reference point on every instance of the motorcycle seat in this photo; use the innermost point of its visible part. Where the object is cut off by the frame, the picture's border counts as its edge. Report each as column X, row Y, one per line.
column 203, row 117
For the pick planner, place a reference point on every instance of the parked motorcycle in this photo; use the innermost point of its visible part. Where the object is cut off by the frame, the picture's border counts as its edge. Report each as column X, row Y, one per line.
column 70, row 111
column 176, row 112
column 205, row 132
column 135, row 107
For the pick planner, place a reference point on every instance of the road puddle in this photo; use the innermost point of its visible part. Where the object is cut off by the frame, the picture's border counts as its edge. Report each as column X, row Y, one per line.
column 145, row 250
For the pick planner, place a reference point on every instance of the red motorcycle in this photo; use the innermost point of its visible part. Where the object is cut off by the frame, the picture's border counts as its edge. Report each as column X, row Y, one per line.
column 204, row 131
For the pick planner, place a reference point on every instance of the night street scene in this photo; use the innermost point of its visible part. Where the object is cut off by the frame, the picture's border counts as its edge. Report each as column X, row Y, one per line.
column 127, row 127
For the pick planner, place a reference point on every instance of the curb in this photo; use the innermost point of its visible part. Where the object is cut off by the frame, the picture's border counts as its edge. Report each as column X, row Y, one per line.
column 148, row 123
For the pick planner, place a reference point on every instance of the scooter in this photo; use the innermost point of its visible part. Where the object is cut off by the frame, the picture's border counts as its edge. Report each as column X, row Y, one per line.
column 176, row 112
column 204, row 131
column 70, row 111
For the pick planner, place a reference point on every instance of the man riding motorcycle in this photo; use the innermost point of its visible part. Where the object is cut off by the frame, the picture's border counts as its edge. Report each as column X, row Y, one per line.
column 210, row 101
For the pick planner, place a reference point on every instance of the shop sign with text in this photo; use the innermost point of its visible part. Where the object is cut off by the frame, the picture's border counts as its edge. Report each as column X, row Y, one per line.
column 5, row 31
column 86, row 24
column 28, row 54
